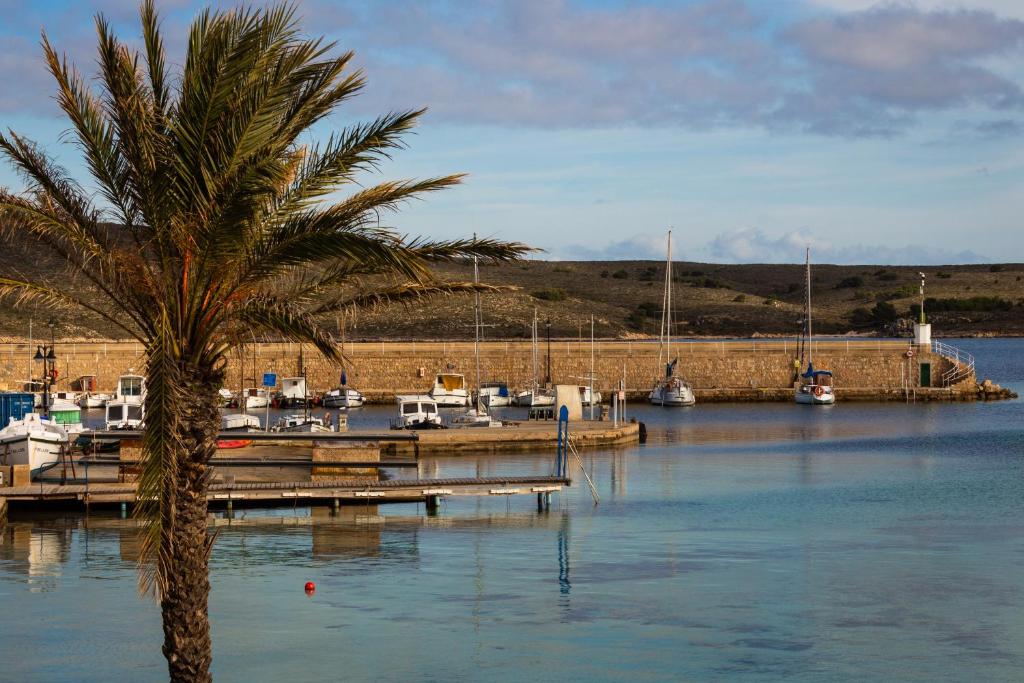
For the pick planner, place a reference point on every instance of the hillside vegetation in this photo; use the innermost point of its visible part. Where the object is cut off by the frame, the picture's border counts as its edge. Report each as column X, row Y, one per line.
column 710, row 300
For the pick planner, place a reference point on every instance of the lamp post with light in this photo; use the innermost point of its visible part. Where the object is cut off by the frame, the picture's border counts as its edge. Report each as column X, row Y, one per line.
column 46, row 355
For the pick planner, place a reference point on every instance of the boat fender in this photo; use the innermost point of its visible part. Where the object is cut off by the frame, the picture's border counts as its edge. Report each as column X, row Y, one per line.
column 909, row 353
column 819, row 391
column 642, row 433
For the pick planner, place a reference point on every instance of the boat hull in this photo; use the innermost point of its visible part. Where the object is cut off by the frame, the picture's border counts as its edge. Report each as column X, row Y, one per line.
column 807, row 398
column 38, row 452
column 673, row 397
column 457, row 398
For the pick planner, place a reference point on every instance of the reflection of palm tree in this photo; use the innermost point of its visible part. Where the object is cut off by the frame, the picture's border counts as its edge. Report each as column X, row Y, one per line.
column 224, row 233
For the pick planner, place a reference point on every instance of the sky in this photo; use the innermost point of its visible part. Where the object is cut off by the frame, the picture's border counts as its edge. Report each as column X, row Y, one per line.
column 888, row 133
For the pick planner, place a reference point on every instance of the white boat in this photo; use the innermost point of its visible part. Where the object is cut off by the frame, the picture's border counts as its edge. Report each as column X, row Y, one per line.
column 495, row 395
column 68, row 396
column 669, row 390
column 473, row 418
column 123, row 415
column 450, row 390
column 293, row 393
column 256, row 398
column 130, row 389
column 417, row 412
column 240, row 422
column 300, row 423
column 34, row 441
column 342, row 397
column 816, row 386
column 227, row 397
column 92, row 400
column 535, row 398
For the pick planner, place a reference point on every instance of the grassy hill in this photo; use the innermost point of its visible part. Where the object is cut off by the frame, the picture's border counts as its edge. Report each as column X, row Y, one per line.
column 710, row 300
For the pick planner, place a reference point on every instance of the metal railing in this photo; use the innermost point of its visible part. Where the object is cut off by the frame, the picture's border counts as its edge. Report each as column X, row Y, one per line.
column 963, row 363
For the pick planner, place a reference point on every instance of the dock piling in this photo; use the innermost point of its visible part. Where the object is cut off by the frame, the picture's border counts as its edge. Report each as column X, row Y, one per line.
column 432, row 505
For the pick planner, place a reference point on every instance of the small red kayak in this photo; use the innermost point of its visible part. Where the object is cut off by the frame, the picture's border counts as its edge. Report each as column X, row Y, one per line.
column 233, row 443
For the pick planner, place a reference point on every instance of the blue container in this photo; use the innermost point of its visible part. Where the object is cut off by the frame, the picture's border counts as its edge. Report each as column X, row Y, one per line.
column 14, row 406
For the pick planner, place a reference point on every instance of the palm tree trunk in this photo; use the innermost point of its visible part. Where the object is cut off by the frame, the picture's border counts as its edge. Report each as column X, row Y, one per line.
column 187, row 543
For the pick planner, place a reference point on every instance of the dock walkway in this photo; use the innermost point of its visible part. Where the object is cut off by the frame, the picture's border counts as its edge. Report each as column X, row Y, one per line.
column 330, row 492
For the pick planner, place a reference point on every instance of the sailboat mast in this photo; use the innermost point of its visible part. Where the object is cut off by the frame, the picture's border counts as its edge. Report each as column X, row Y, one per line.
column 476, row 325
column 810, row 343
column 668, row 307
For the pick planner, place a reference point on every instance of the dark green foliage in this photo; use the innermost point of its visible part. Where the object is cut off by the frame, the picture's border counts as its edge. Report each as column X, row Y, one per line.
column 974, row 303
column 621, row 274
column 852, row 282
column 551, row 294
column 648, row 274
column 887, row 276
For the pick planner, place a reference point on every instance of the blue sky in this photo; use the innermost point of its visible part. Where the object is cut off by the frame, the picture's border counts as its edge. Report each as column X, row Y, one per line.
column 876, row 132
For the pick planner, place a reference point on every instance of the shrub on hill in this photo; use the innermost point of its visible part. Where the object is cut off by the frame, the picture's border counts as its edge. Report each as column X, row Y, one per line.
column 552, row 294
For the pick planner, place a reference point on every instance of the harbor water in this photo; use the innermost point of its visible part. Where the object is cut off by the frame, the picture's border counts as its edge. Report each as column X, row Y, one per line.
column 755, row 542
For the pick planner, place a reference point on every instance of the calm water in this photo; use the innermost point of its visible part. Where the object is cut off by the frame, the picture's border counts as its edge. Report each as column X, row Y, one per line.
column 753, row 542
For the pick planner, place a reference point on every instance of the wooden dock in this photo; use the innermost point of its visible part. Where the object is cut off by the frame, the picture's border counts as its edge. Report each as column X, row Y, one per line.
column 331, row 492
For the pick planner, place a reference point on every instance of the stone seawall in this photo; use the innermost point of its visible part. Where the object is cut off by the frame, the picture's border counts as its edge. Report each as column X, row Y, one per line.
column 741, row 370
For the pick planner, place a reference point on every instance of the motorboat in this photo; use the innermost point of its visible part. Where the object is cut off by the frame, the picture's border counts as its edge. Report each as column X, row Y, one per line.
column 68, row 415
column 670, row 390
column 293, row 393
column 226, row 396
column 417, row 412
column 300, row 423
column 449, row 390
column 473, row 418
column 342, row 397
column 815, row 386
column 131, row 389
column 123, row 415
column 256, row 397
column 240, row 422
column 33, row 440
column 535, row 397
column 89, row 400
column 495, row 395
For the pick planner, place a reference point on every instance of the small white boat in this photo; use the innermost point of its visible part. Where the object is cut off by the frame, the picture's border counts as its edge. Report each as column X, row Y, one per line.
column 256, row 398
column 227, row 397
column 450, row 390
column 93, row 400
column 473, row 418
column 240, row 422
column 68, row 396
column 300, row 423
column 417, row 412
column 535, row 397
column 342, row 397
column 34, row 441
column 293, row 393
column 123, row 415
column 495, row 394
column 672, row 392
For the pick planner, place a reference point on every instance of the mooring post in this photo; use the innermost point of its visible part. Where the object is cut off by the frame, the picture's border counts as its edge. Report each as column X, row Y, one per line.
column 335, row 504
column 231, row 509
column 431, row 505
column 124, row 510
column 540, row 502
column 3, row 513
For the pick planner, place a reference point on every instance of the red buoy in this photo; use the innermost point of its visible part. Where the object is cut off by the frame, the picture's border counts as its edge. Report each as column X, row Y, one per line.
column 310, row 587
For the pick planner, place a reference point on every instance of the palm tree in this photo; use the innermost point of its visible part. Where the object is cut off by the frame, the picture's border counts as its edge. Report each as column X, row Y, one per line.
column 213, row 219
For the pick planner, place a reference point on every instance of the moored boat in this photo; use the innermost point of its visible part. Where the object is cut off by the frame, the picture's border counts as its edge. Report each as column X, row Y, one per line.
column 417, row 412
column 449, row 390
column 495, row 394
column 32, row 440
column 669, row 390
column 342, row 397
column 815, row 386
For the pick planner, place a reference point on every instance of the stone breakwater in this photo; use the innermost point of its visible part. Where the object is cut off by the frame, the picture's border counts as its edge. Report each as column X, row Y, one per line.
column 748, row 370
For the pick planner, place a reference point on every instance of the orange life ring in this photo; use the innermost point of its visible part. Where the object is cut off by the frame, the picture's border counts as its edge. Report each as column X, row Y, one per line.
column 819, row 391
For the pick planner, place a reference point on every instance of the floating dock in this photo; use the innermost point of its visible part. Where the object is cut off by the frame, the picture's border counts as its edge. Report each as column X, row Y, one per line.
column 520, row 437
column 331, row 492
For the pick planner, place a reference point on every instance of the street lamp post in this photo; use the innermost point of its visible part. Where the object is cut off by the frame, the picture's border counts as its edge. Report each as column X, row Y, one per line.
column 922, row 298
column 49, row 359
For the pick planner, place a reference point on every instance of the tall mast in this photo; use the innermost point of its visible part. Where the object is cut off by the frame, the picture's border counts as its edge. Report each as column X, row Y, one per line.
column 534, row 348
column 668, row 307
column 810, row 342
column 476, row 326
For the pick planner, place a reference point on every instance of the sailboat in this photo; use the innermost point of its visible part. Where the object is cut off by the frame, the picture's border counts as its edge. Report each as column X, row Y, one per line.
column 478, row 416
column 670, row 390
column 535, row 396
column 816, row 387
